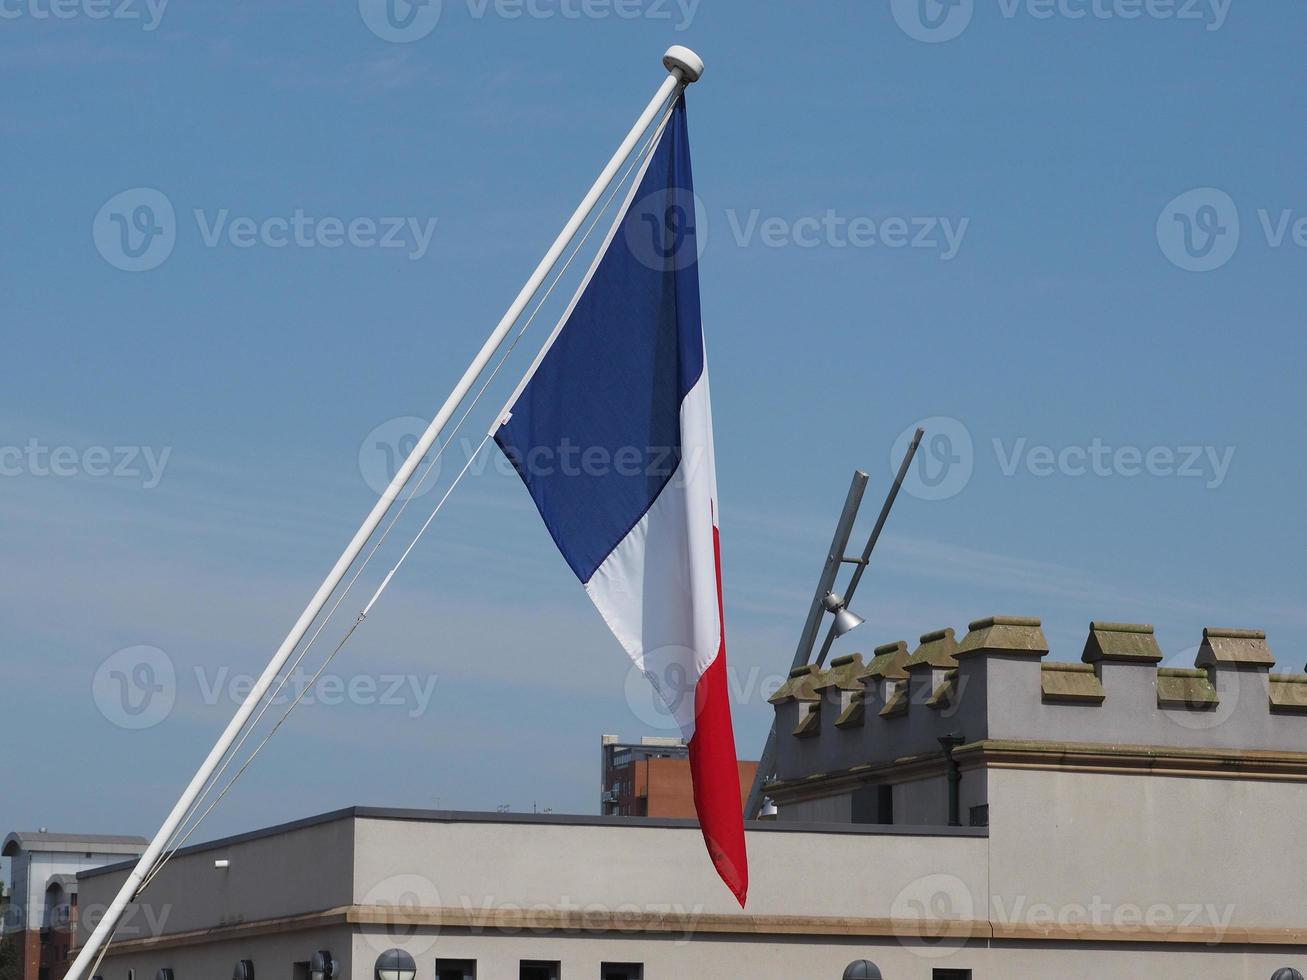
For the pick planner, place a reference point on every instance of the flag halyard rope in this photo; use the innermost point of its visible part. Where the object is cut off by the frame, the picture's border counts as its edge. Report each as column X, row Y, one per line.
column 175, row 844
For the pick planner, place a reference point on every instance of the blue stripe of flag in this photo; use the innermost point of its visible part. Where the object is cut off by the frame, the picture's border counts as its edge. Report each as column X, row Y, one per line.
column 595, row 435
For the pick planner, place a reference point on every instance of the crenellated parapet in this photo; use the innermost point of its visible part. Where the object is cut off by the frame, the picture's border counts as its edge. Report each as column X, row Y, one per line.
column 885, row 680
column 996, row 685
column 797, row 702
column 931, row 670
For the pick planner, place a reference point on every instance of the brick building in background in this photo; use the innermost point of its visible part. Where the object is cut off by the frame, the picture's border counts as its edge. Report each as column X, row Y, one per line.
column 651, row 778
column 41, row 918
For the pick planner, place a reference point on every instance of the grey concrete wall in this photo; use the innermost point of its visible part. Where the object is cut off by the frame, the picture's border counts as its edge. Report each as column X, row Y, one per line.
column 1130, row 713
column 1064, row 841
column 478, row 866
column 1225, row 850
column 306, row 870
column 836, row 808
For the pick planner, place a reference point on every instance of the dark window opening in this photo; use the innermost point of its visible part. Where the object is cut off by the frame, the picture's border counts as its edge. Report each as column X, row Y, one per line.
column 538, row 970
column 873, row 804
column 980, row 815
column 456, row 970
column 950, row 975
column 621, row 971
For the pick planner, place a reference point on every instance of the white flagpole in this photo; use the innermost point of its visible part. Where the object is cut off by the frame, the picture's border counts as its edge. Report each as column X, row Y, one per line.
column 684, row 67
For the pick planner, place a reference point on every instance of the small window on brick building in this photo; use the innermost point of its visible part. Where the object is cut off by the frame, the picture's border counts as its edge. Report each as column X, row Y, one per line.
column 621, row 971
column 456, row 970
column 539, row 970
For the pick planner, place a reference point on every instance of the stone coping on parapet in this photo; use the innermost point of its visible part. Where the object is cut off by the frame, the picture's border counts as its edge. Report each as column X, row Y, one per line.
column 1244, row 648
column 799, row 686
column 887, row 662
column 1020, row 635
column 1066, row 683
column 844, row 674
column 1121, row 643
column 936, row 649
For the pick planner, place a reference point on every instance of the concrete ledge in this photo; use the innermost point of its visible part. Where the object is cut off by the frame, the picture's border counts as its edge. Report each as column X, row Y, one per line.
column 799, row 686
column 945, row 694
column 543, row 819
column 897, row 705
column 936, row 651
column 809, row 725
column 1140, row 760
column 1121, row 643
column 1070, row 684
column 1234, row 648
column 1289, row 693
column 543, row 919
column 887, row 662
column 1178, row 687
column 843, row 673
column 1004, row 634
column 852, row 716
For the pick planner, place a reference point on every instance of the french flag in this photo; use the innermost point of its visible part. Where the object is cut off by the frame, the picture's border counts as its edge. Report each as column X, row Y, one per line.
column 611, row 431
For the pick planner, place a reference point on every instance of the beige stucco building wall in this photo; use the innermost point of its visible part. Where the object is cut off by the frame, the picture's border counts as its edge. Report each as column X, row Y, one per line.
column 499, row 890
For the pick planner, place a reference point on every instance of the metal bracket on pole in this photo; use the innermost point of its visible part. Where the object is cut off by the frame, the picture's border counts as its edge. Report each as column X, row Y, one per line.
column 808, row 637
column 803, row 655
column 865, row 560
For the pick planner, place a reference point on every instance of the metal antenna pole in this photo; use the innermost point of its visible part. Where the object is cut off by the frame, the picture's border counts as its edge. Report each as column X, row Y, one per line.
column 834, row 559
column 683, row 67
column 865, row 560
column 808, row 637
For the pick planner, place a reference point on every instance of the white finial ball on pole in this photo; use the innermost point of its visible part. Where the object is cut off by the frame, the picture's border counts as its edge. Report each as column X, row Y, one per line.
column 684, row 61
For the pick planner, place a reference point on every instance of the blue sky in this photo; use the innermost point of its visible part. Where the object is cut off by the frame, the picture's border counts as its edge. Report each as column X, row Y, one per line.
column 980, row 217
